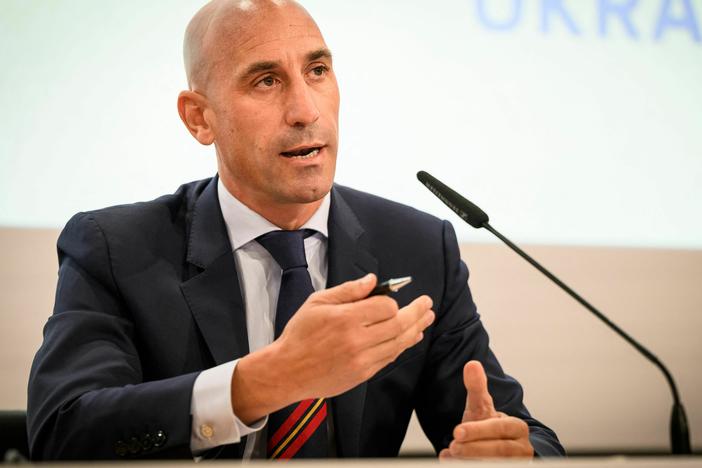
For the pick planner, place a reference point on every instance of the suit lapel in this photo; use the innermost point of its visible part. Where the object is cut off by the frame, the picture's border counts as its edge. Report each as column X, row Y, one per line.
column 215, row 300
column 349, row 258
column 213, row 293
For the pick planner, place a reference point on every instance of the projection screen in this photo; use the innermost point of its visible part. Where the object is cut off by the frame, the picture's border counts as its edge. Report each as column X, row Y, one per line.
column 570, row 122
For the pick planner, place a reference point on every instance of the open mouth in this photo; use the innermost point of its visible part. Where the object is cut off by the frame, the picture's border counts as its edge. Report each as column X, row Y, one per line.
column 306, row 152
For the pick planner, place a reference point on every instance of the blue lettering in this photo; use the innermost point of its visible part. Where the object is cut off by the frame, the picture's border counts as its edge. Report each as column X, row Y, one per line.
column 500, row 25
column 621, row 10
column 688, row 21
column 556, row 6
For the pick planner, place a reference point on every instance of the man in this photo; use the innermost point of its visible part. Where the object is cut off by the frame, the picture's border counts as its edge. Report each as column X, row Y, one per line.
column 164, row 343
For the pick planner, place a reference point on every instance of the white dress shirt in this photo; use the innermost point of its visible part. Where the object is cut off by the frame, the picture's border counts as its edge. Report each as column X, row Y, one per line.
column 214, row 422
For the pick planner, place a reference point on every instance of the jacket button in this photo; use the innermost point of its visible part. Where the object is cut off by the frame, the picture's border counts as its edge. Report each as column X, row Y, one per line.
column 159, row 438
column 133, row 445
column 147, row 441
column 121, row 448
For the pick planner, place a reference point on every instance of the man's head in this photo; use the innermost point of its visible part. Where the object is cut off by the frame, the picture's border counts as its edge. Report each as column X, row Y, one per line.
column 262, row 89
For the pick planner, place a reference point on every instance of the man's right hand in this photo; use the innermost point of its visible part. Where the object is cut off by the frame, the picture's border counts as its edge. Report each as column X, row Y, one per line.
column 336, row 340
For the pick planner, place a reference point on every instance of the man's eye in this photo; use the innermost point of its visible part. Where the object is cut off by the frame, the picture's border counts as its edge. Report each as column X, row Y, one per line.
column 320, row 70
column 266, row 82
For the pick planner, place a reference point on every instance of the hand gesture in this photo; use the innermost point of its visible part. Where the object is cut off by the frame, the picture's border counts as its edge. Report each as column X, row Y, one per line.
column 485, row 432
column 339, row 338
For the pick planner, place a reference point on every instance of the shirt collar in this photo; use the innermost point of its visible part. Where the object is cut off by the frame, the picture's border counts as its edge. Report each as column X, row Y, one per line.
column 245, row 225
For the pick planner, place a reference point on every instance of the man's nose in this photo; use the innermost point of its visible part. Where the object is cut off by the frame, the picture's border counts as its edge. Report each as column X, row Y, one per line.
column 301, row 109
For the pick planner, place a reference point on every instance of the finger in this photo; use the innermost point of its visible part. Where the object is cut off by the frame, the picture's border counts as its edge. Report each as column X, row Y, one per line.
column 494, row 428
column 418, row 313
column 386, row 352
column 415, row 311
column 492, row 448
column 374, row 309
column 350, row 291
column 479, row 403
column 445, row 454
column 389, row 350
column 412, row 327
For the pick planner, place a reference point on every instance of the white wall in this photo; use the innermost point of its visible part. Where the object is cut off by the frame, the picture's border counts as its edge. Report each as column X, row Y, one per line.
column 562, row 131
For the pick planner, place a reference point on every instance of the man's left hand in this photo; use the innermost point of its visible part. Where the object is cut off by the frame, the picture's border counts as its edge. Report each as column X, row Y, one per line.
column 485, row 432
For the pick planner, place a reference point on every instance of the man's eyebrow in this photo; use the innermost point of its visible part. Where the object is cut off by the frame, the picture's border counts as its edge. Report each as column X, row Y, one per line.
column 258, row 67
column 268, row 65
column 318, row 54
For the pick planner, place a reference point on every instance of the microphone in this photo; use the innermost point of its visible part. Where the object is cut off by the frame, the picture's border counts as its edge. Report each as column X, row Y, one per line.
column 470, row 213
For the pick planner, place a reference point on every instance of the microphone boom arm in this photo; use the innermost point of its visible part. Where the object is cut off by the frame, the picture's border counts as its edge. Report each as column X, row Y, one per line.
column 471, row 214
column 649, row 355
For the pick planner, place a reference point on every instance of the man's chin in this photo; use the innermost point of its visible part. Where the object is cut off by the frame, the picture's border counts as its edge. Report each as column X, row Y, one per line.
column 311, row 196
column 308, row 194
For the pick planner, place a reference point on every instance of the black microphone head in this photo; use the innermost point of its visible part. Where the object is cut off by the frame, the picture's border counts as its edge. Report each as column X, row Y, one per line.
column 463, row 208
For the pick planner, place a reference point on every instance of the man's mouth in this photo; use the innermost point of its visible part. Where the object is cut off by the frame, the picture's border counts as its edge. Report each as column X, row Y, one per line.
column 305, row 152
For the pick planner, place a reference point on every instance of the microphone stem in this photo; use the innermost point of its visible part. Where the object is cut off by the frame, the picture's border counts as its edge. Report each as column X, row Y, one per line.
column 679, row 432
column 650, row 356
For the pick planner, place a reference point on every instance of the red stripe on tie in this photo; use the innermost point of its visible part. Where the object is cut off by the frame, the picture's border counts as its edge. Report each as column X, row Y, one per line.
column 289, row 423
column 306, row 433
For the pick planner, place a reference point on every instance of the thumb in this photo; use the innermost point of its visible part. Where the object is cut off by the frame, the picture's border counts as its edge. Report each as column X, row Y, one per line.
column 479, row 403
column 350, row 291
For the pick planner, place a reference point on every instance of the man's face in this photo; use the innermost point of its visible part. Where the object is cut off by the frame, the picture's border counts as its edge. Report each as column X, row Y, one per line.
column 275, row 103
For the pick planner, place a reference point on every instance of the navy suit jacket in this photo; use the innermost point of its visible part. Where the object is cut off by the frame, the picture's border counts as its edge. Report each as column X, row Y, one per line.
column 148, row 296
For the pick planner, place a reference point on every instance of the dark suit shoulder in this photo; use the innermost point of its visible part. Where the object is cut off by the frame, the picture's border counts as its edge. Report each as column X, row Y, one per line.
column 131, row 234
column 147, row 215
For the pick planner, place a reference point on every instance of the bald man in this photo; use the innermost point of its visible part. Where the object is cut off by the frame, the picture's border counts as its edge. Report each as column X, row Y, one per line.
column 233, row 318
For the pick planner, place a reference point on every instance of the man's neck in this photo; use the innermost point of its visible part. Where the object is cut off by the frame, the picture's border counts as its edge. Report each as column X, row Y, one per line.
column 287, row 216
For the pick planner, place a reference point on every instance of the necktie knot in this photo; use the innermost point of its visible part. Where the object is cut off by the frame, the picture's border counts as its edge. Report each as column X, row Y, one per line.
column 286, row 247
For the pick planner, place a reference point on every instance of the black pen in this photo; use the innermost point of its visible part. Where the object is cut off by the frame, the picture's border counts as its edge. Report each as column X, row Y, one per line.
column 390, row 286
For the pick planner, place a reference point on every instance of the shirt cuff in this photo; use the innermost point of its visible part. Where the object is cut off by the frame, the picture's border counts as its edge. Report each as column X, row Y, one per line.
column 214, row 422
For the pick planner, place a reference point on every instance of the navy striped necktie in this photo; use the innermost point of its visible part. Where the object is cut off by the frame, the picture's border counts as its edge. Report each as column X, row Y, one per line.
column 298, row 430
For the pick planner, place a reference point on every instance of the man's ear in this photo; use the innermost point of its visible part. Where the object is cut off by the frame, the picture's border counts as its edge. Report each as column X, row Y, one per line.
column 192, row 108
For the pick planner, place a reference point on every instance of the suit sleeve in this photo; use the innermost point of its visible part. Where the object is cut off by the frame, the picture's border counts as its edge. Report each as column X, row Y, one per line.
column 87, row 398
column 457, row 338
